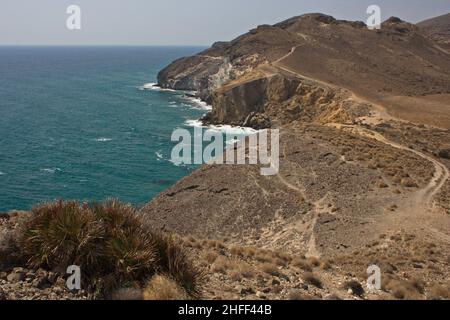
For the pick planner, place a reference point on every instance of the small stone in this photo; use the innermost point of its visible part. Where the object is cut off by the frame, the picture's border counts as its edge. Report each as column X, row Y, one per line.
column 266, row 290
column 275, row 282
column 52, row 277
column 246, row 291
column 58, row 290
column 14, row 277
column 40, row 282
column 260, row 295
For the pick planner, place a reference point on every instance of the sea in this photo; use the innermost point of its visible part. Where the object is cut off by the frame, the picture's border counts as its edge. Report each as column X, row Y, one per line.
column 88, row 123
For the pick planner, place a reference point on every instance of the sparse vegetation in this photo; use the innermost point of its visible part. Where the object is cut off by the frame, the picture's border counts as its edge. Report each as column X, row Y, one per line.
column 356, row 288
column 161, row 287
column 302, row 264
column 110, row 243
column 270, row 269
column 312, row 279
column 439, row 292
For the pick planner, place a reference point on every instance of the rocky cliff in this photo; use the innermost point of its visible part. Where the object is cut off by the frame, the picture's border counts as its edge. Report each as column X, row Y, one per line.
column 363, row 176
column 244, row 78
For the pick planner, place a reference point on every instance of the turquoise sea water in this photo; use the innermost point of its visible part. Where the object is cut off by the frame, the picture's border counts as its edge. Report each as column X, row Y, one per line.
column 75, row 123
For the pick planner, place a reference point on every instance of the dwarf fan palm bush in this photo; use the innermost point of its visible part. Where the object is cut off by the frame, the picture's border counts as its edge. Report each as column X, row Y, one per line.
column 174, row 262
column 109, row 242
column 61, row 234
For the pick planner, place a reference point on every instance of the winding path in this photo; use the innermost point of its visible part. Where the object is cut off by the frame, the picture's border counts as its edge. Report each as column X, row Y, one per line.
column 418, row 203
column 441, row 174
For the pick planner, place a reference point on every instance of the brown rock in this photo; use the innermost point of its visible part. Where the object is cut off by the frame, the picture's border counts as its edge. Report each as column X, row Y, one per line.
column 16, row 276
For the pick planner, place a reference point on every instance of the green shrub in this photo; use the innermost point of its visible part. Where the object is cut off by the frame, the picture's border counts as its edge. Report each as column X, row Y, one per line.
column 110, row 244
column 61, row 234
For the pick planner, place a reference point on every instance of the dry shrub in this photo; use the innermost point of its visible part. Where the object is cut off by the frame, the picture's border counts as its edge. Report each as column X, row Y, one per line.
column 161, row 287
column 402, row 290
column 325, row 264
column 264, row 258
column 129, row 250
column 127, row 294
column 355, row 286
column 249, row 252
column 237, row 251
column 270, row 269
column 439, row 292
column 313, row 261
column 280, row 262
column 418, row 284
column 297, row 296
column 221, row 265
column 283, row 256
column 210, row 256
column 175, row 262
column 302, row 264
column 235, row 276
column 312, row 279
column 244, row 270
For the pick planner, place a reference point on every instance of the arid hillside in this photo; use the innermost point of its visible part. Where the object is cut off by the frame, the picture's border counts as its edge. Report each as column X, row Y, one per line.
column 438, row 29
column 364, row 117
column 395, row 65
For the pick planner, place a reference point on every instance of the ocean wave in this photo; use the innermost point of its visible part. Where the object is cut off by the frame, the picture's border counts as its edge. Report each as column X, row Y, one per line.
column 234, row 130
column 222, row 128
column 51, row 170
column 159, row 155
column 182, row 165
column 103, row 139
column 2, row 173
column 194, row 123
column 153, row 86
column 197, row 103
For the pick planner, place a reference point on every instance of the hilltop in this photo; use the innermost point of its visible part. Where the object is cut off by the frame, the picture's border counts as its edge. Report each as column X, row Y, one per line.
column 438, row 29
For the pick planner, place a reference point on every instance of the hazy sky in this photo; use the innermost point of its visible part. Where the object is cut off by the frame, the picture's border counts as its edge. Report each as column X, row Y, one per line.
column 178, row 22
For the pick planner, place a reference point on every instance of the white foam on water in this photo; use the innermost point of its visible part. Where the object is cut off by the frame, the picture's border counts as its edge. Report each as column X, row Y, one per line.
column 159, row 155
column 103, row 139
column 234, row 130
column 194, row 123
column 222, row 128
column 51, row 170
column 199, row 104
column 2, row 173
column 153, row 86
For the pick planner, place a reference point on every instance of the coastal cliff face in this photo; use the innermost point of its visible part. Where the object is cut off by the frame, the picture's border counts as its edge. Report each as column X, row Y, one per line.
column 364, row 125
column 243, row 78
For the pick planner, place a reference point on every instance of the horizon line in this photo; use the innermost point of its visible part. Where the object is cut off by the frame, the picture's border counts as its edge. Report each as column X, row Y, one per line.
column 104, row 45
